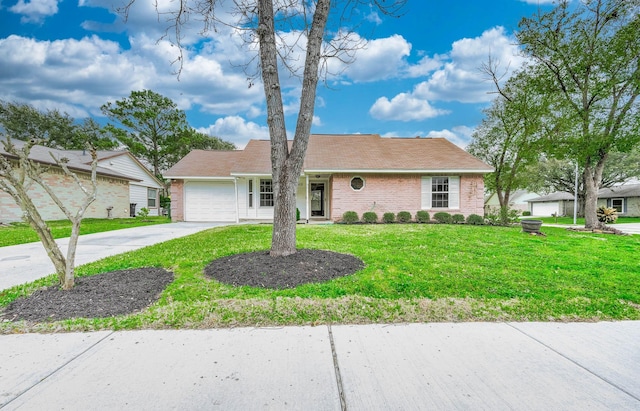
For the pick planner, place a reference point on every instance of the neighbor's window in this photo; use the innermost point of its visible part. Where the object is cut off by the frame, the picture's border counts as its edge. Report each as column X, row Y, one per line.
column 266, row 193
column 440, row 192
column 250, row 193
column 618, row 204
column 152, row 195
column 357, row 183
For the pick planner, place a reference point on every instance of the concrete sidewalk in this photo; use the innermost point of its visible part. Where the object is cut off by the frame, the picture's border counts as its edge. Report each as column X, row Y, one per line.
column 25, row 263
column 442, row 366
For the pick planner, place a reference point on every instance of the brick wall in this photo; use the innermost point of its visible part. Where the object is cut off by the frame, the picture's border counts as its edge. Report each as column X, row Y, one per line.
column 398, row 192
column 111, row 193
column 177, row 200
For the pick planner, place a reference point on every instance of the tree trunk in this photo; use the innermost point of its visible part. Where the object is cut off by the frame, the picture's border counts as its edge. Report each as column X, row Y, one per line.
column 592, row 178
column 286, row 166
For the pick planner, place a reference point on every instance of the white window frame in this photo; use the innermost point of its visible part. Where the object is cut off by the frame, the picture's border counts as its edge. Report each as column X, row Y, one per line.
column 364, row 183
column 453, row 193
column 250, row 191
column 621, row 199
column 267, row 198
column 150, row 197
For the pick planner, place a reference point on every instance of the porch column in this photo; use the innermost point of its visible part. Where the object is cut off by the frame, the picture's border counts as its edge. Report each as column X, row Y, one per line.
column 235, row 186
column 307, row 195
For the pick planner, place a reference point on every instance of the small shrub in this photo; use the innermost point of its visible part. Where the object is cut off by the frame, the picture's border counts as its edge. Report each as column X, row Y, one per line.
column 457, row 219
column 404, row 217
column 370, row 217
column 442, row 217
column 350, row 217
column 389, row 218
column 526, row 213
column 475, row 219
column 143, row 213
column 297, row 214
column 607, row 215
column 423, row 216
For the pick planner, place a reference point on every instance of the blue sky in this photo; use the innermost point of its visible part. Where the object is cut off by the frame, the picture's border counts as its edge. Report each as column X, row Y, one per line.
column 418, row 75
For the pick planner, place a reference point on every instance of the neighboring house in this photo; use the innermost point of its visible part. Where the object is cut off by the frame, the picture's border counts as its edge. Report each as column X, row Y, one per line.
column 340, row 173
column 119, row 175
column 144, row 191
column 624, row 198
column 518, row 200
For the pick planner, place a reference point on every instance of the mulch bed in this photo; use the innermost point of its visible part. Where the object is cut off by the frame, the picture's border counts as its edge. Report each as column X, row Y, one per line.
column 258, row 269
column 128, row 291
column 101, row 295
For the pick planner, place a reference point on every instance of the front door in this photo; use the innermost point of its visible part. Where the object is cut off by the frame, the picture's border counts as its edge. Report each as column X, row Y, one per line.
column 317, row 200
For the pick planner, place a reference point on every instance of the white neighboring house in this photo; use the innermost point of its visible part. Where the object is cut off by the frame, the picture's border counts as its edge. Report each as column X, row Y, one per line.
column 143, row 193
column 518, row 200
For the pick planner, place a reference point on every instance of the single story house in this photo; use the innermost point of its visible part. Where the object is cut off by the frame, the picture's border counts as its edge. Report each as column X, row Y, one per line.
column 518, row 200
column 115, row 181
column 624, row 198
column 362, row 172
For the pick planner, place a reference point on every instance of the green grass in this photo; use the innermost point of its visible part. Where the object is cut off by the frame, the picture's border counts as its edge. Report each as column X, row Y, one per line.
column 413, row 273
column 579, row 221
column 21, row 233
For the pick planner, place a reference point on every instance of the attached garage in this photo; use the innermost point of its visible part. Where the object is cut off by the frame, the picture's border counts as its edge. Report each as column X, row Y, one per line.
column 209, row 201
column 545, row 209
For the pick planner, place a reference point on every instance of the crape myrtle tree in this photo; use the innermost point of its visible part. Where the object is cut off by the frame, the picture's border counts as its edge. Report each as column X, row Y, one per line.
column 152, row 127
column 509, row 136
column 319, row 28
column 589, row 53
column 19, row 173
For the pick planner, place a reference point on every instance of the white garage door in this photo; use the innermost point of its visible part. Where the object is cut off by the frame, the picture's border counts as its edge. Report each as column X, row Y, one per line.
column 209, row 201
column 545, row 209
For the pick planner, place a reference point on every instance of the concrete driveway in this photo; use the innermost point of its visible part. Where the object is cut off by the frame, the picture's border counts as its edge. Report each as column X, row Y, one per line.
column 25, row 263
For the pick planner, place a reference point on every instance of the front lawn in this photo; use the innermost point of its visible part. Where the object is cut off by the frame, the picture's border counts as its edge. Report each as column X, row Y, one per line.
column 21, row 233
column 413, row 273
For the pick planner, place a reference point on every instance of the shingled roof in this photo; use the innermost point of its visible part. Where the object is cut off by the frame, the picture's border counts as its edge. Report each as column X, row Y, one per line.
column 76, row 159
column 337, row 153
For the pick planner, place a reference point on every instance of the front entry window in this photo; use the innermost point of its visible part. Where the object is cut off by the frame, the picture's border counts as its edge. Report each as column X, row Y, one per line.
column 317, row 199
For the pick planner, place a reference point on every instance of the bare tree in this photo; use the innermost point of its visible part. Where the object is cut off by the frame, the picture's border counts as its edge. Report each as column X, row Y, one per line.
column 266, row 20
column 18, row 174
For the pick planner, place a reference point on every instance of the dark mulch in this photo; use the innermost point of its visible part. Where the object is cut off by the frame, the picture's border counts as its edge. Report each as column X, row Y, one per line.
column 258, row 269
column 102, row 295
column 128, row 291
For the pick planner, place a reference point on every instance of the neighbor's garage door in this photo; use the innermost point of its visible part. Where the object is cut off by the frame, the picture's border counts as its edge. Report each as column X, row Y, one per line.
column 544, row 209
column 209, row 201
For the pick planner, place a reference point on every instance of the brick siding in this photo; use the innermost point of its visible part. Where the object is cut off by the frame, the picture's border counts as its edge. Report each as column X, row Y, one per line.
column 398, row 192
column 177, row 200
column 111, row 193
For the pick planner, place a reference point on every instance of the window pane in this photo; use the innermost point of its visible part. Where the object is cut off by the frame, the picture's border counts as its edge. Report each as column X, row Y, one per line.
column 440, row 192
column 250, row 193
column 152, row 193
column 266, row 193
column 617, row 204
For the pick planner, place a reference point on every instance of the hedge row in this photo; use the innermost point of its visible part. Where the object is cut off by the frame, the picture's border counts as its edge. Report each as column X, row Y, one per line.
column 370, row 217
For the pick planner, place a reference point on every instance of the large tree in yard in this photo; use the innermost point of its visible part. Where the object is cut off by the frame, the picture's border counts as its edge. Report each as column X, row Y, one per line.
column 590, row 55
column 19, row 173
column 509, row 136
column 154, row 129
column 271, row 25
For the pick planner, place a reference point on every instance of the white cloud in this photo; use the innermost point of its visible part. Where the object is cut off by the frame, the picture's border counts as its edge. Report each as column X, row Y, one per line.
column 236, row 130
column 380, row 59
column 461, row 79
column 34, row 11
column 89, row 72
column 404, row 107
column 460, row 135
